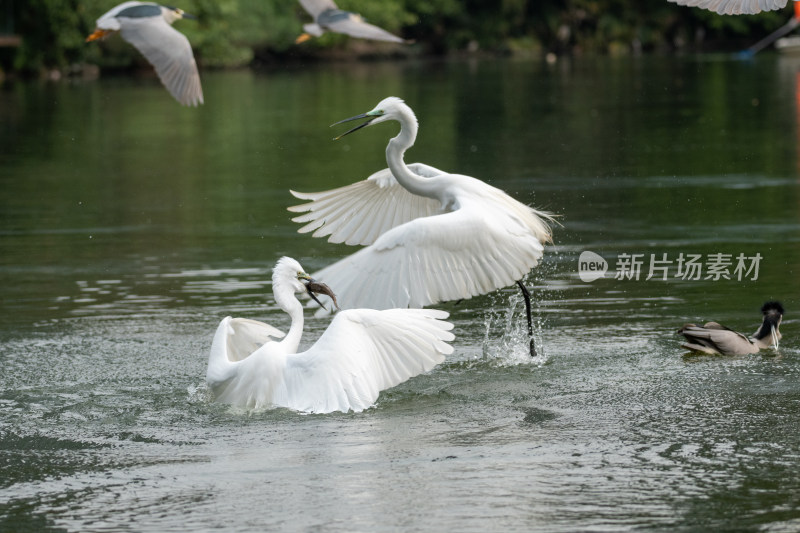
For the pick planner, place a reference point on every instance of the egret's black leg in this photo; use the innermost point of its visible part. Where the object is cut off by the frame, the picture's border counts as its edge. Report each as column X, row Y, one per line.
column 527, row 297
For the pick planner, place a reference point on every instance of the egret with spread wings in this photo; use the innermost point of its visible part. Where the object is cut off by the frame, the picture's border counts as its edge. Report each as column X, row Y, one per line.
column 430, row 236
column 362, row 352
column 148, row 27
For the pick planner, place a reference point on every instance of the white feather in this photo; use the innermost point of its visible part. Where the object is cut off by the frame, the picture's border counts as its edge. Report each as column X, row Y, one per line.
column 432, row 236
column 361, row 353
column 734, row 7
column 357, row 214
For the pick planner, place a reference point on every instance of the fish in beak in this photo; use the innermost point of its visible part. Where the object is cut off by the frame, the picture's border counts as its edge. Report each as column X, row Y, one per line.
column 314, row 287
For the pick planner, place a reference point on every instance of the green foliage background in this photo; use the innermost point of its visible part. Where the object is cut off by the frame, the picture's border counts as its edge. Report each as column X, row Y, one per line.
column 232, row 33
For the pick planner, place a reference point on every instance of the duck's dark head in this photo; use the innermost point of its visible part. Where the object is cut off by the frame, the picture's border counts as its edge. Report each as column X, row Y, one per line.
column 773, row 314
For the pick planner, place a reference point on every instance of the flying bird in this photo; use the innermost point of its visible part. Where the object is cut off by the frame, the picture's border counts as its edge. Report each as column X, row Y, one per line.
column 429, row 236
column 734, row 7
column 148, row 27
column 716, row 339
column 362, row 352
column 328, row 17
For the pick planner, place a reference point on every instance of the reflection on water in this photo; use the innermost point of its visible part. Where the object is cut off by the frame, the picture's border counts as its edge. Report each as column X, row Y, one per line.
column 131, row 226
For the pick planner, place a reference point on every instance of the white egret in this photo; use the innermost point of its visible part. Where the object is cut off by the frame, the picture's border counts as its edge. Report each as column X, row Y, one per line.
column 734, row 7
column 328, row 17
column 430, row 236
column 148, row 27
column 362, row 352
column 716, row 339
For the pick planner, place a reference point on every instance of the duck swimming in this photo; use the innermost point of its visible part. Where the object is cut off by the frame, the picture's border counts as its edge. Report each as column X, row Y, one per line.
column 715, row 339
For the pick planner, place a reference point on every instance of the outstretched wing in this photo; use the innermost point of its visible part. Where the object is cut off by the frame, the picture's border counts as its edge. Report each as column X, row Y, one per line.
column 734, row 7
column 234, row 341
column 315, row 7
column 353, row 25
column 170, row 53
column 363, row 352
column 246, row 336
column 359, row 213
column 474, row 250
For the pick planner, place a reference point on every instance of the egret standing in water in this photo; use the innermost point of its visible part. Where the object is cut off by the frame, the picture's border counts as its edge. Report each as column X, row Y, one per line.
column 362, row 352
column 734, row 7
column 430, row 236
column 328, row 17
column 148, row 27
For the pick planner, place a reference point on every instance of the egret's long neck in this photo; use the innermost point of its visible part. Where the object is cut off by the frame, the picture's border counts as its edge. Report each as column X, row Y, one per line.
column 286, row 300
column 394, row 157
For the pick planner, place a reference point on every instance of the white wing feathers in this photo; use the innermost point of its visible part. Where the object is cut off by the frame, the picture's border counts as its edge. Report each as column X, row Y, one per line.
column 246, row 336
column 170, row 53
column 363, row 352
column 734, row 7
column 363, row 30
column 235, row 340
column 474, row 250
column 359, row 213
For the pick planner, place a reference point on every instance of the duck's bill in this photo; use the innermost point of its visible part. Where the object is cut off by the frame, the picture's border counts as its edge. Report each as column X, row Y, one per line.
column 357, row 117
column 314, row 287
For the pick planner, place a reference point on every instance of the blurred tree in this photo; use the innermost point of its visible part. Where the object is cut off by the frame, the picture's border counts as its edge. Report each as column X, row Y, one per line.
column 52, row 33
column 235, row 32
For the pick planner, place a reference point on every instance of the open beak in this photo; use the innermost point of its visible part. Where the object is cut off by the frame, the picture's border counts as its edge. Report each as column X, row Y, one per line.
column 357, row 117
column 315, row 287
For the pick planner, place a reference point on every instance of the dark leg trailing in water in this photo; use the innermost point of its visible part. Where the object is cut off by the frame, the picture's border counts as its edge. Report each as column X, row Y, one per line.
column 527, row 297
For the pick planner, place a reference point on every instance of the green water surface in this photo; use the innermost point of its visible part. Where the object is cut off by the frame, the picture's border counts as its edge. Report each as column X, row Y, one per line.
column 129, row 226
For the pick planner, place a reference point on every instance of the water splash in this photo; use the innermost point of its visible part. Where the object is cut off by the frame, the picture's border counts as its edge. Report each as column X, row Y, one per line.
column 506, row 342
